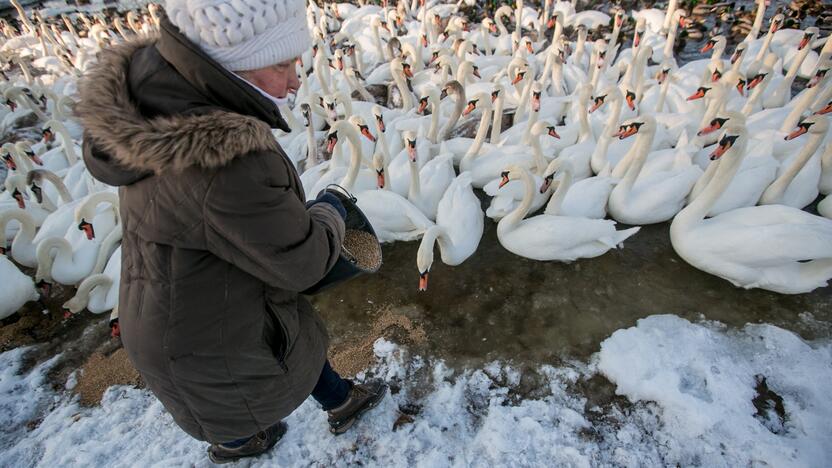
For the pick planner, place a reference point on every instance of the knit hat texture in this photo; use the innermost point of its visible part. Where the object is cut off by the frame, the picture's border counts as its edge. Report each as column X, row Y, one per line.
column 243, row 34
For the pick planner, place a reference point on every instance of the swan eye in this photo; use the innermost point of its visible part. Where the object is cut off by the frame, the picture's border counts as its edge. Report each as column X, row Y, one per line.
column 504, row 174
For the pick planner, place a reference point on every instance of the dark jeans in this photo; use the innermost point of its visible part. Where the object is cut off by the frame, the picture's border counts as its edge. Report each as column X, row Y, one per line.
column 330, row 391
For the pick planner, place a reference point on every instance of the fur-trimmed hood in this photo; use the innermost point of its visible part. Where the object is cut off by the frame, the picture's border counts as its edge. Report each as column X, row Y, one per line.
column 160, row 104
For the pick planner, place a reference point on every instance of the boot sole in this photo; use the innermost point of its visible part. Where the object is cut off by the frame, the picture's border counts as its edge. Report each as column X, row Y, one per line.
column 372, row 404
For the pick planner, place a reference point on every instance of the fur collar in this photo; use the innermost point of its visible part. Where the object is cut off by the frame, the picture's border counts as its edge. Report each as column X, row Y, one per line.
column 117, row 127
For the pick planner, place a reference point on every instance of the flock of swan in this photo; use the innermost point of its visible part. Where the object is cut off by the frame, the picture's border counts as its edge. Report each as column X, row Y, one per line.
column 411, row 107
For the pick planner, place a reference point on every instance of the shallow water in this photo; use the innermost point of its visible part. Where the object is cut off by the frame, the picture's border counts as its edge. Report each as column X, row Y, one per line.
column 500, row 306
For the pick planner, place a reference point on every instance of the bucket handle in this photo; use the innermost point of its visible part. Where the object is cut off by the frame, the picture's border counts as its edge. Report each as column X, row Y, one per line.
column 343, row 191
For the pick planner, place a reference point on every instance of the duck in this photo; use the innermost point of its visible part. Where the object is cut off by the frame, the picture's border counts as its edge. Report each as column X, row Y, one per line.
column 773, row 247
column 560, row 238
column 458, row 229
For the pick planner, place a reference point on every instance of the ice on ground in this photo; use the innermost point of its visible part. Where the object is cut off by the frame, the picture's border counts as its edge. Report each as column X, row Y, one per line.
column 691, row 388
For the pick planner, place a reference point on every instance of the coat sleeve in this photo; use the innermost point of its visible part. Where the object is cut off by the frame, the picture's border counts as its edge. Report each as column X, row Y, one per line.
column 255, row 220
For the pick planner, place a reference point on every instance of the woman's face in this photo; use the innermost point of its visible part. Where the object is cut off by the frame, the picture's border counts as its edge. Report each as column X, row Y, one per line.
column 277, row 80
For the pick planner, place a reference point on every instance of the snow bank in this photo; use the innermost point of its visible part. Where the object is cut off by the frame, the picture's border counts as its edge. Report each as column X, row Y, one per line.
column 705, row 380
column 692, row 386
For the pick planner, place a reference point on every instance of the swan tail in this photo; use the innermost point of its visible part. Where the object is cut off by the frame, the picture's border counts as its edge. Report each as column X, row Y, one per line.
column 619, row 237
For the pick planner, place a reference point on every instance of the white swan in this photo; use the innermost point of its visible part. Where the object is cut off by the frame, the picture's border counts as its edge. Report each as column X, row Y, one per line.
column 17, row 290
column 797, row 182
column 773, row 247
column 585, row 198
column 458, row 230
column 98, row 292
column 547, row 237
column 71, row 258
column 656, row 197
column 22, row 249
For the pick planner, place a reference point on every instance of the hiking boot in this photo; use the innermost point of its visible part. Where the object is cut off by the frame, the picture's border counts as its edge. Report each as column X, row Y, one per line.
column 259, row 443
column 362, row 398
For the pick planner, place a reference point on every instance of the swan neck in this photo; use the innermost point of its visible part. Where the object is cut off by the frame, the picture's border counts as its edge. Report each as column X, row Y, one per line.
column 355, row 161
column 510, row 221
column 497, row 124
column 642, row 147
column 480, row 137
column 777, row 188
column 455, row 114
column 556, row 202
column 699, row 207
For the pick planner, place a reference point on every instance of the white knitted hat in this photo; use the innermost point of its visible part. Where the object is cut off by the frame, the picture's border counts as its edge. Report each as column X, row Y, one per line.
column 243, row 34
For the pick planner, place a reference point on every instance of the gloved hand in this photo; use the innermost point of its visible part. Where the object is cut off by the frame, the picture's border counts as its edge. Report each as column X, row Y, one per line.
column 332, row 200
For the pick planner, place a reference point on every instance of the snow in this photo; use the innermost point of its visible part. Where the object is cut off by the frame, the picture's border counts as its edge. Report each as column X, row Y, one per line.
column 691, row 386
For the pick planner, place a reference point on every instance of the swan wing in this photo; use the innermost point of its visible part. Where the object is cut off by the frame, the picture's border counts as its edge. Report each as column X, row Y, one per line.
column 765, row 238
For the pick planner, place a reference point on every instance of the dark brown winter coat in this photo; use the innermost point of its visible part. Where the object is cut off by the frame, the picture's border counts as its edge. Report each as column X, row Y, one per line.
column 217, row 240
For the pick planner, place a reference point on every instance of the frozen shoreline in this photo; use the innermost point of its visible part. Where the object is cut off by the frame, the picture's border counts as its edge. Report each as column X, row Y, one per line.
column 691, row 386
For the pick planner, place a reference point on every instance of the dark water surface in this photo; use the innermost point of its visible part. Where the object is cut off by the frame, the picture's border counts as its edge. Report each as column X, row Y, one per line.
column 500, row 306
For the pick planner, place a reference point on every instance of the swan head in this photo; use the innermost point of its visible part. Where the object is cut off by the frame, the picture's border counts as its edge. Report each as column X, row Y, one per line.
column 819, row 75
column 776, row 23
column 808, row 34
column 452, row 87
column 481, row 101
column 8, row 156
column 643, row 124
column 549, row 174
column 611, row 94
column 409, row 137
column 34, row 179
column 721, row 121
column 424, row 261
column 535, row 97
column 379, row 116
column 362, row 127
column 489, row 25
column 87, row 211
column 814, row 124
column 306, row 111
column 713, row 42
column 732, row 138
column 700, row 93
column 825, row 109
column 512, row 172
column 734, row 79
column 738, row 52
column 24, row 149
column 378, row 166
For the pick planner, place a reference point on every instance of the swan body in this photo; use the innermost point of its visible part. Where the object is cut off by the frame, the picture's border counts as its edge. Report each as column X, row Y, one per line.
column 17, row 290
column 458, row 230
column 562, row 238
column 773, row 247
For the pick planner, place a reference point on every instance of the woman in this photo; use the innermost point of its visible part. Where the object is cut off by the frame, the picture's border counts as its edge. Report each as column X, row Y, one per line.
column 217, row 239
